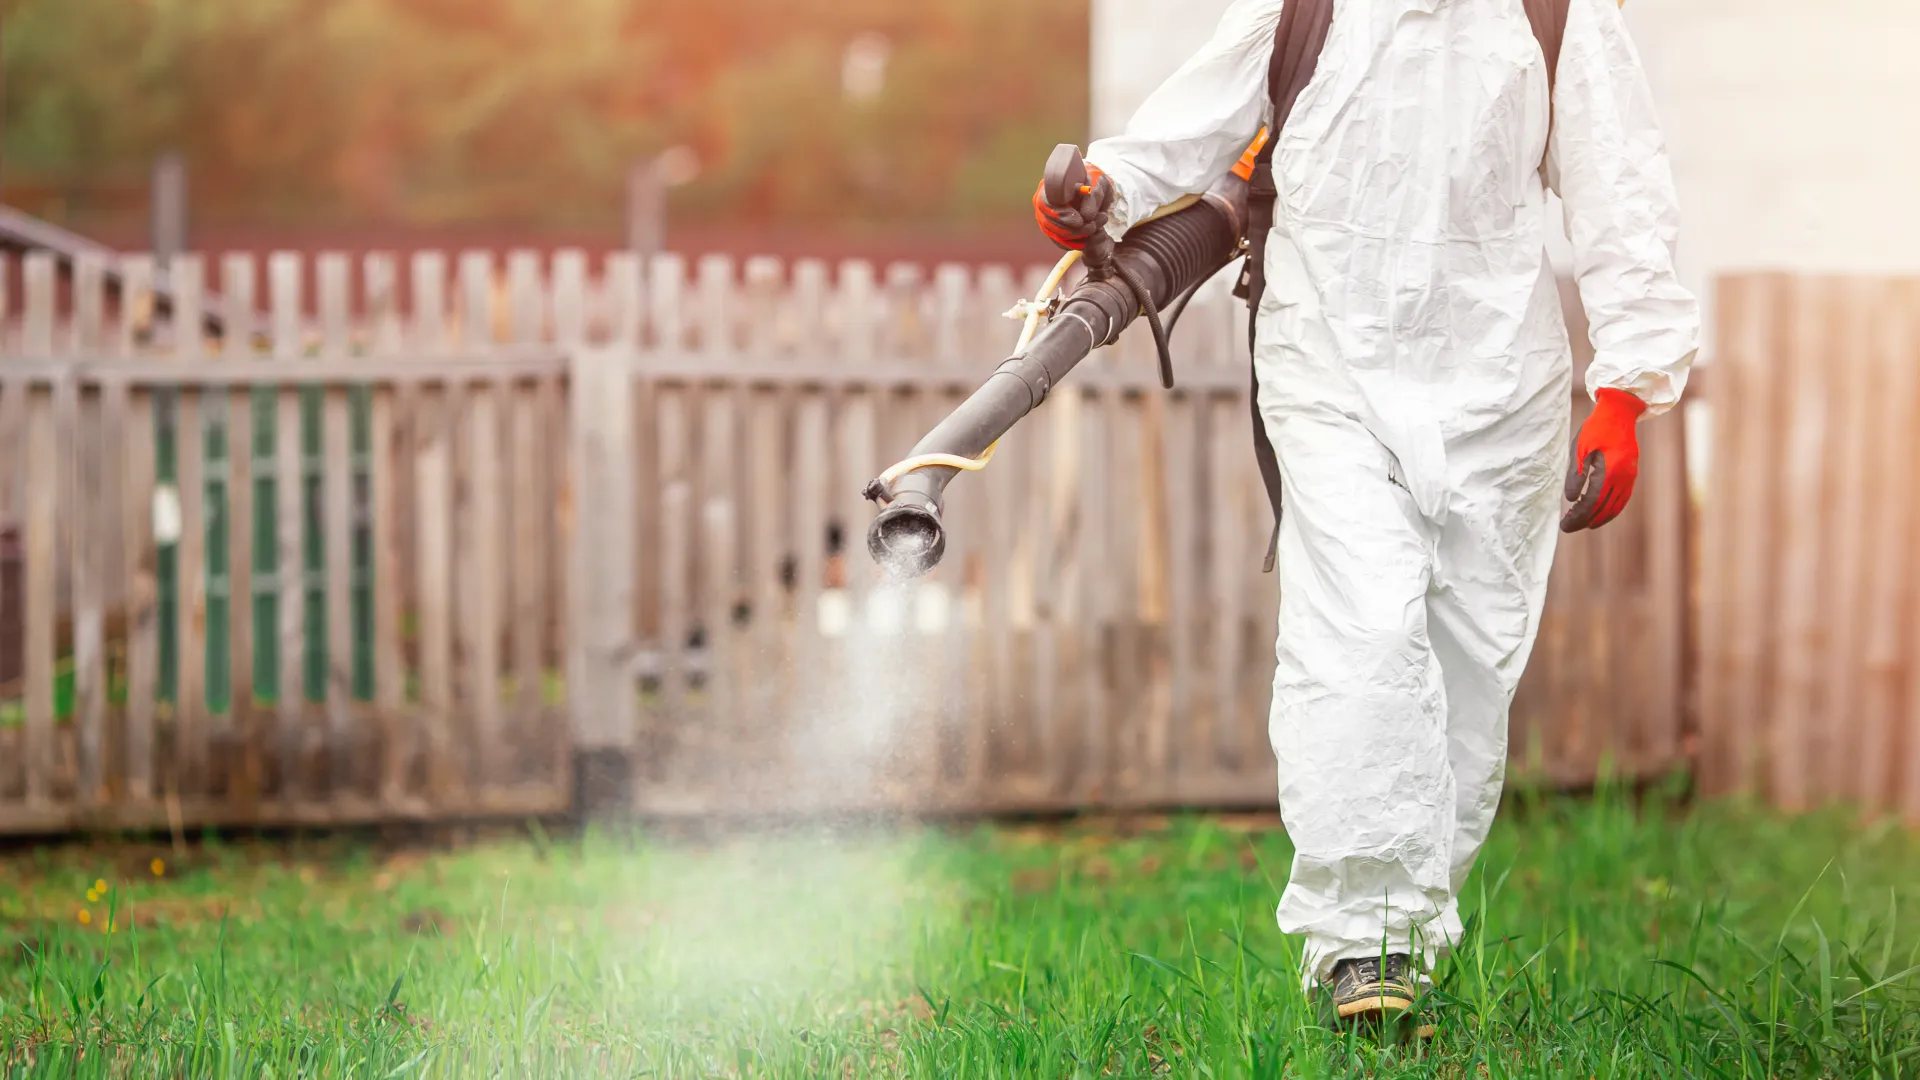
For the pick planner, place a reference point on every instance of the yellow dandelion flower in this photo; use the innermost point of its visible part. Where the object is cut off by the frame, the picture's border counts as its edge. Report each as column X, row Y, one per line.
column 92, row 897
column 100, row 885
column 85, row 916
column 158, row 867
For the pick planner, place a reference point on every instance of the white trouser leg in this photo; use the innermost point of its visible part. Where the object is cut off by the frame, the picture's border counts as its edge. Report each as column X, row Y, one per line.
column 1400, row 646
column 1358, row 724
column 1490, row 584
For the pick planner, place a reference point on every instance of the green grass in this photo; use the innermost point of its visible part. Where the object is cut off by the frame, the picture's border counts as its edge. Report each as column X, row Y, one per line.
column 1721, row 943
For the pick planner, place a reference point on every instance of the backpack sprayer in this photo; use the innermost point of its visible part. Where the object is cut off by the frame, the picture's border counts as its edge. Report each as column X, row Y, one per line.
column 1155, row 269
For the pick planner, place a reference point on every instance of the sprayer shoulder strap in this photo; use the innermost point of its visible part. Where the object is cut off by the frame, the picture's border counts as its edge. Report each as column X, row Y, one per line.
column 1297, row 42
column 1296, row 50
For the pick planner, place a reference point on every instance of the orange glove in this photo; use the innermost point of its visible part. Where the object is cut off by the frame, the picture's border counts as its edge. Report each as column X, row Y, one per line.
column 1070, row 226
column 1606, row 461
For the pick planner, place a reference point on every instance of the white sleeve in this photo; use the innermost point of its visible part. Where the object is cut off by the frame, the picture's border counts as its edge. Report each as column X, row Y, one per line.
column 1608, row 161
column 1192, row 129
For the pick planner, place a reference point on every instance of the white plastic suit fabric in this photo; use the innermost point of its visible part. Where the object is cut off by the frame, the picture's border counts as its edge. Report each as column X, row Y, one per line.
column 1414, row 375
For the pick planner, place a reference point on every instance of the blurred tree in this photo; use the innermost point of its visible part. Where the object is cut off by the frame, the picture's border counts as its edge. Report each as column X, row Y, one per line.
column 327, row 111
column 64, row 107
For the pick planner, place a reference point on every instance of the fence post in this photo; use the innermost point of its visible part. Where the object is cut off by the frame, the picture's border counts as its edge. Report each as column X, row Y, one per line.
column 168, row 212
column 646, row 208
column 600, row 693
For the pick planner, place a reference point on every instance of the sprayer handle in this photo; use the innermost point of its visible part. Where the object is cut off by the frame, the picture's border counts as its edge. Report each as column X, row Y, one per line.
column 1066, row 174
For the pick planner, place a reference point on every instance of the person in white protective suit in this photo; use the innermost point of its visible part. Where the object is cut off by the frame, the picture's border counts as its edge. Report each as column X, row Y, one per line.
column 1413, row 374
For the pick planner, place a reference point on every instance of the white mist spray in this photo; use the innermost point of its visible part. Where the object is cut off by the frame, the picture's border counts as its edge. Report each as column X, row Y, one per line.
column 862, row 728
column 813, row 912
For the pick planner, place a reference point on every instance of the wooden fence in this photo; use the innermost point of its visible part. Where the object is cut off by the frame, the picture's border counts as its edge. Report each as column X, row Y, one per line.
column 1811, row 538
column 1106, row 636
column 419, row 539
column 327, row 698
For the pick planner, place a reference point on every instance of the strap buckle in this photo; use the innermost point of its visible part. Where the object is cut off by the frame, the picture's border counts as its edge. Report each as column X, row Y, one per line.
column 1261, row 184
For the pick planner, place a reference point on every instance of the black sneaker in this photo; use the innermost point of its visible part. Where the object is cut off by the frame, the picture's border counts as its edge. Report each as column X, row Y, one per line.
column 1373, row 987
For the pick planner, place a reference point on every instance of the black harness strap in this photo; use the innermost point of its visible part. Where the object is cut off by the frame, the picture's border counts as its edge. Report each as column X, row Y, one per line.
column 1296, row 49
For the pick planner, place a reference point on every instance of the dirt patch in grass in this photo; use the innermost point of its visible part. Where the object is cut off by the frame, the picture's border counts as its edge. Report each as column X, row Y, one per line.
column 428, row 921
column 1036, row 879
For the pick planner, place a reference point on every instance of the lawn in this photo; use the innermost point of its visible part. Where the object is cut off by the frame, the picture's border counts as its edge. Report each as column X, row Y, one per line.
column 1617, row 942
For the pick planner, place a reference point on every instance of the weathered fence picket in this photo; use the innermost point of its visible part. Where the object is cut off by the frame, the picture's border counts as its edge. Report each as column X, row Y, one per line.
column 285, row 279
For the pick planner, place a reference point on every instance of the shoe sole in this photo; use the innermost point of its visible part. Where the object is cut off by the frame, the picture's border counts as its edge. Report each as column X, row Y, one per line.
column 1382, row 1004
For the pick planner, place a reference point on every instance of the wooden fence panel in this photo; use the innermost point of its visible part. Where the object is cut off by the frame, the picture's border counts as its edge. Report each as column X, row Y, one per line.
column 336, row 522
column 1811, row 689
column 285, row 277
column 237, row 273
column 476, row 540
column 1903, row 343
column 88, row 448
column 600, row 691
column 1888, row 757
column 142, row 554
column 1125, row 661
column 529, row 509
column 1849, row 528
column 553, row 481
column 42, row 481
column 187, row 760
column 1890, row 380
column 432, row 529
column 388, row 445
column 103, row 735
column 13, row 413
column 1099, row 633
column 1736, row 573
column 1801, row 466
column 763, row 655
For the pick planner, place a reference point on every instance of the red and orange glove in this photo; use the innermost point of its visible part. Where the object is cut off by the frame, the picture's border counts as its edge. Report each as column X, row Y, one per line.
column 1071, row 226
column 1606, row 462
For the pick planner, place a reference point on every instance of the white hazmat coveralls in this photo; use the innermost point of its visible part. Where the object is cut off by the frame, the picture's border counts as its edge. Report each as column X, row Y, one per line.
column 1414, row 376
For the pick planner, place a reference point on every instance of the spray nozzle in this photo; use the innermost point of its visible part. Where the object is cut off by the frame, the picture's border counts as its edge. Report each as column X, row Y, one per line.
column 907, row 539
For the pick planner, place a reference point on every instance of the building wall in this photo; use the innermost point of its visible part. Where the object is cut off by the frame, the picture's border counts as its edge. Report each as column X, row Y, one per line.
column 1792, row 128
column 1136, row 44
